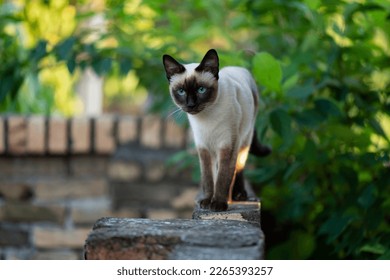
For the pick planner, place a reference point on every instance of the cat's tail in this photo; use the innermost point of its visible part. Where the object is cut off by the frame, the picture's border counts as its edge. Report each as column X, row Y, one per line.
column 257, row 148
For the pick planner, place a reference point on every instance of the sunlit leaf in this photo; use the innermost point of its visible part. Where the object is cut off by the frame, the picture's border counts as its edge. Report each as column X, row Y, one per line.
column 378, row 128
column 375, row 248
column 267, row 71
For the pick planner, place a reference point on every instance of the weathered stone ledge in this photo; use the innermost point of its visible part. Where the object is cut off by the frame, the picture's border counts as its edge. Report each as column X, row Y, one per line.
column 232, row 234
column 116, row 238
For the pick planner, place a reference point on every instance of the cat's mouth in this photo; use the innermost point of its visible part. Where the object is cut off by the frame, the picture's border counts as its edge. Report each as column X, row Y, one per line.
column 193, row 111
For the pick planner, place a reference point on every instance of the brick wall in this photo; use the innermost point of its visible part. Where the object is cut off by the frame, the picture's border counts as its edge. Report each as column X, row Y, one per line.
column 58, row 176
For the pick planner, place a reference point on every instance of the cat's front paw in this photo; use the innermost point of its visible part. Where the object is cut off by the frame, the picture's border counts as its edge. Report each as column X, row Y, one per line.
column 218, row 206
column 205, row 203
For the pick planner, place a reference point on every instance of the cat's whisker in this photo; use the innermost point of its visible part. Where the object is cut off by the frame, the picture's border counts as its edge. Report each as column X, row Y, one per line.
column 174, row 112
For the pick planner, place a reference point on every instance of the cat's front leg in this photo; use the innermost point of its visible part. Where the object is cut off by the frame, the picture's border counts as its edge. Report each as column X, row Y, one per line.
column 227, row 158
column 207, row 182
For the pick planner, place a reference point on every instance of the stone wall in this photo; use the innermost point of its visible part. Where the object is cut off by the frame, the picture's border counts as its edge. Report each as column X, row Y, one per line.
column 59, row 175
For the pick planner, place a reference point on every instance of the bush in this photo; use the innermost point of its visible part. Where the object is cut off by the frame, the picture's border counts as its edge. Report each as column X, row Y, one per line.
column 326, row 186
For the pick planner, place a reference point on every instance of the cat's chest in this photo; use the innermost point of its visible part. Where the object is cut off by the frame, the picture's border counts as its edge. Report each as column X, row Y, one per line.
column 212, row 133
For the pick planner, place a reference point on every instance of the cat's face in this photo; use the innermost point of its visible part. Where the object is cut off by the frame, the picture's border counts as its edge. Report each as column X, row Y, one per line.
column 193, row 87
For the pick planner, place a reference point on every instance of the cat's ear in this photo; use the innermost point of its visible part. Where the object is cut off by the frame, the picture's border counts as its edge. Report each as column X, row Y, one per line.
column 210, row 63
column 172, row 67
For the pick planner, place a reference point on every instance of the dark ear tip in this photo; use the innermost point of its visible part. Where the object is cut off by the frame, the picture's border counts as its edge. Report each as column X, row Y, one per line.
column 212, row 51
column 165, row 57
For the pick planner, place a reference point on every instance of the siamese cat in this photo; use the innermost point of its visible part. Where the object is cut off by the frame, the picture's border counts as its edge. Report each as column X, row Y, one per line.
column 221, row 106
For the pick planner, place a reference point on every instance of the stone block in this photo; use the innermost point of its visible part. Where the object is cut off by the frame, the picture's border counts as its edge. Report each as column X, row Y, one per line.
column 36, row 135
column 186, row 199
column 58, row 135
column 174, row 135
column 13, row 236
column 2, row 135
column 87, row 211
column 142, row 195
column 60, row 189
column 104, row 135
column 83, row 216
column 80, row 135
column 151, row 132
column 155, row 171
column 49, row 237
column 124, row 171
column 140, row 239
column 31, row 168
column 127, row 129
column 17, row 135
column 18, row 212
column 15, row 191
column 89, row 166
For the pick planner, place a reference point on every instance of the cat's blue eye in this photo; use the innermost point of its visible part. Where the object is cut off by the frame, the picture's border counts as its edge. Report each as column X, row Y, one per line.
column 201, row 90
column 181, row 92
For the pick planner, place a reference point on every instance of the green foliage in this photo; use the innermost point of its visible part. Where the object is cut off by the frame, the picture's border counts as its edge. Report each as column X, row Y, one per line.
column 323, row 69
column 327, row 183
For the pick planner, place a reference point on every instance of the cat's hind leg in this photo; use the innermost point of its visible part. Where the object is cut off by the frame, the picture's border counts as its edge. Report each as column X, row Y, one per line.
column 239, row 193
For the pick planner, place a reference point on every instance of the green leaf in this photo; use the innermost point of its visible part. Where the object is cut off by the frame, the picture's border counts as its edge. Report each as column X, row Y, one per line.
column 71, row 64
column 102, row 66
column 334, row 226
column 301, row 92
column 267, row 71
column 281, row 122
column 125, row 66
column 309, row 152
column 367, row 198
column 290, row 82
column 377, row 128
column 63, row 50
column 327, row 107
column 310, row 117
column 39, row 51
column 262, row 175
column 291, row 169
column 299, row 245
column 375, row 248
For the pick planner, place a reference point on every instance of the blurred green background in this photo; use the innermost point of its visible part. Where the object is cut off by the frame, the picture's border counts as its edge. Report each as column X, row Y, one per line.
column 323, row 68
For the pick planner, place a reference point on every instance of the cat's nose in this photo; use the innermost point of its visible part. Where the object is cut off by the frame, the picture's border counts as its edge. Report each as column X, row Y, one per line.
column 191, row 104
